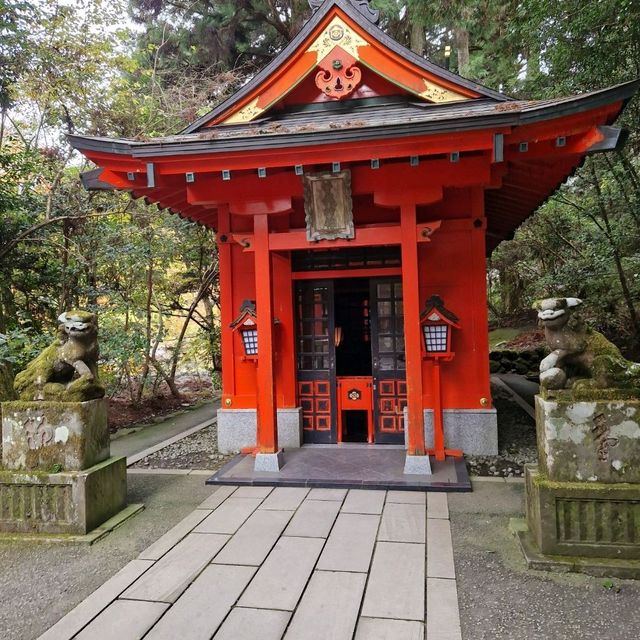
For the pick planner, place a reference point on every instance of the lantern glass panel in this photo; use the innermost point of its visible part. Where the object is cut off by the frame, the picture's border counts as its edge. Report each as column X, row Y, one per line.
column 435, row 337
column 250, row 341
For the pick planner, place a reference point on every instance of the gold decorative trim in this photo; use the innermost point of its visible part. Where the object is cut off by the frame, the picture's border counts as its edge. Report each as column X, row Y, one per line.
column 338, row 33
column 436, row 93
column 246, row 114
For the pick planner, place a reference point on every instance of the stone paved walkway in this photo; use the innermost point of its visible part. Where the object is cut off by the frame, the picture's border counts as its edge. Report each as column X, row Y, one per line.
column 265, row 564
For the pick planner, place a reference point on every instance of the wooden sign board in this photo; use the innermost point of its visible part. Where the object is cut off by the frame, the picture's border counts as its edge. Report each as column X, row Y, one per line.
column 328, row 206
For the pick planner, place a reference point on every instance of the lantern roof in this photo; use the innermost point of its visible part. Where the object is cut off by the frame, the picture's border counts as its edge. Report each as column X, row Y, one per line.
column 435, row 311
column 247, row 312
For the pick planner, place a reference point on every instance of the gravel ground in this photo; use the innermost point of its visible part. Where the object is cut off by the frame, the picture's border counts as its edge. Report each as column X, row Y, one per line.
column 42, row 582
column 516, row 441
column 198, row 451
column 500, row 599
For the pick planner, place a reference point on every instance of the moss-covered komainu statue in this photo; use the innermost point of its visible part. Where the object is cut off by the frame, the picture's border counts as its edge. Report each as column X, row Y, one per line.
column 67, row 370
column 580, row 356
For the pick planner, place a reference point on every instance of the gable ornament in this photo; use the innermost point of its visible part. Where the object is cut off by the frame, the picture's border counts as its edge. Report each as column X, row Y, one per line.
column 361, row 5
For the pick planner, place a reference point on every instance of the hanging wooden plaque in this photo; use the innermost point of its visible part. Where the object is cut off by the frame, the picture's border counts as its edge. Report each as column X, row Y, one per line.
column 328, row 206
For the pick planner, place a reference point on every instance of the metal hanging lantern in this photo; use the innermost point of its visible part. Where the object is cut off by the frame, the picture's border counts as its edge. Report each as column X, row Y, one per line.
column 246, row 324
column 436, row 322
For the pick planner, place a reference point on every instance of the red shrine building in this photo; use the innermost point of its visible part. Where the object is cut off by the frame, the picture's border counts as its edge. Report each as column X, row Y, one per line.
column 356, row 189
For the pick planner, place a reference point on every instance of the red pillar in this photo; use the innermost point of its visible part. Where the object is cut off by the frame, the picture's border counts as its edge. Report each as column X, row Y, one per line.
column 267, row 431
column 226, row 306
column 412, row 333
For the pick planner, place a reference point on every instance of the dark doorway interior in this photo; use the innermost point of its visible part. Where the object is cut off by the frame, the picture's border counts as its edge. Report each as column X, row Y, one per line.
column 353, row 327
column 354, row 426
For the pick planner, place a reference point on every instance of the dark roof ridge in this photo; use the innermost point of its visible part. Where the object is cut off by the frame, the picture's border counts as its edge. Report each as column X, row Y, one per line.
column 372, row 30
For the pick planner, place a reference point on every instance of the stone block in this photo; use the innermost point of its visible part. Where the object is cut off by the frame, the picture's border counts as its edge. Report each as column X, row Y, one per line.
column 599, row 520
column 396, row 583
column 237, row 429
column 317, row 616
column 71, row 436
column 74, row 502
column 589, row 441
column 475, row 431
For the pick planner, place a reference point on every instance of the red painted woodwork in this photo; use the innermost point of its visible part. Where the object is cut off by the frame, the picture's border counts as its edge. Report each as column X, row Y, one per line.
column 267, row 431
column 355, row 394
column 412, row 337
column 339, row 75
column 315, row 400
column 392, row 401
column 443, row 214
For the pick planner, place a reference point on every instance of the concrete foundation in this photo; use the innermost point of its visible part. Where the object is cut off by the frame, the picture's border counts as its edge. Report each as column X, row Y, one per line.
column 417, row 465
column 475, row 431
column 74, row 502
column 271, row 462
column 54, row 436
column 237, row 429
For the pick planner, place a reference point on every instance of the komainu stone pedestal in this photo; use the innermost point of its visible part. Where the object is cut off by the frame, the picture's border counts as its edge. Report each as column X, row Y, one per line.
column 583, row 499
column 73, row 502
column 61, row 436
column 57, row 476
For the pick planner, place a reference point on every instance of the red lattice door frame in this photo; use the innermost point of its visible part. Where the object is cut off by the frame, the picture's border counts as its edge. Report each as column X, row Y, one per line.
column 316, row 358
column 388, row 359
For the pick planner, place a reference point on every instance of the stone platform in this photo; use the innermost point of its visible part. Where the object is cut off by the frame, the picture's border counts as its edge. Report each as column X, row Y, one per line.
column 70, row 502
column 346, row 467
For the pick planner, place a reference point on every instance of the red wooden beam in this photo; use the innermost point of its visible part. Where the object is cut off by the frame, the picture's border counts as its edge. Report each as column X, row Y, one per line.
column 373, row 236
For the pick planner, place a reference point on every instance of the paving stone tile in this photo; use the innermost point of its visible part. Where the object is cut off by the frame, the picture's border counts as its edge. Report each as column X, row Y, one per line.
column 251, row 544
column 439, row 549
column 443, row 615
column 123, row 620
column 396, row 582
column 363, row 501
column 381, row 629
column 407, row 497
column 173, row 536
column 327, row 494
column 313, row 519
column 403, row 523
column 172, row 574
column 252, row 492
column 204, row 605
column 350, row 545
column 89, row 608
column 437, row 505
column 280, row 581
column 229, row 516
column 317, row 616
column 217, row 497
column 251, row 624
column 285, row 498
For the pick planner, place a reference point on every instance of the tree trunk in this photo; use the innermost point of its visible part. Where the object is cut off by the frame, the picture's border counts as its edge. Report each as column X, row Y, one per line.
column 147, row 352
column 461, row 35
column 418, row 40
